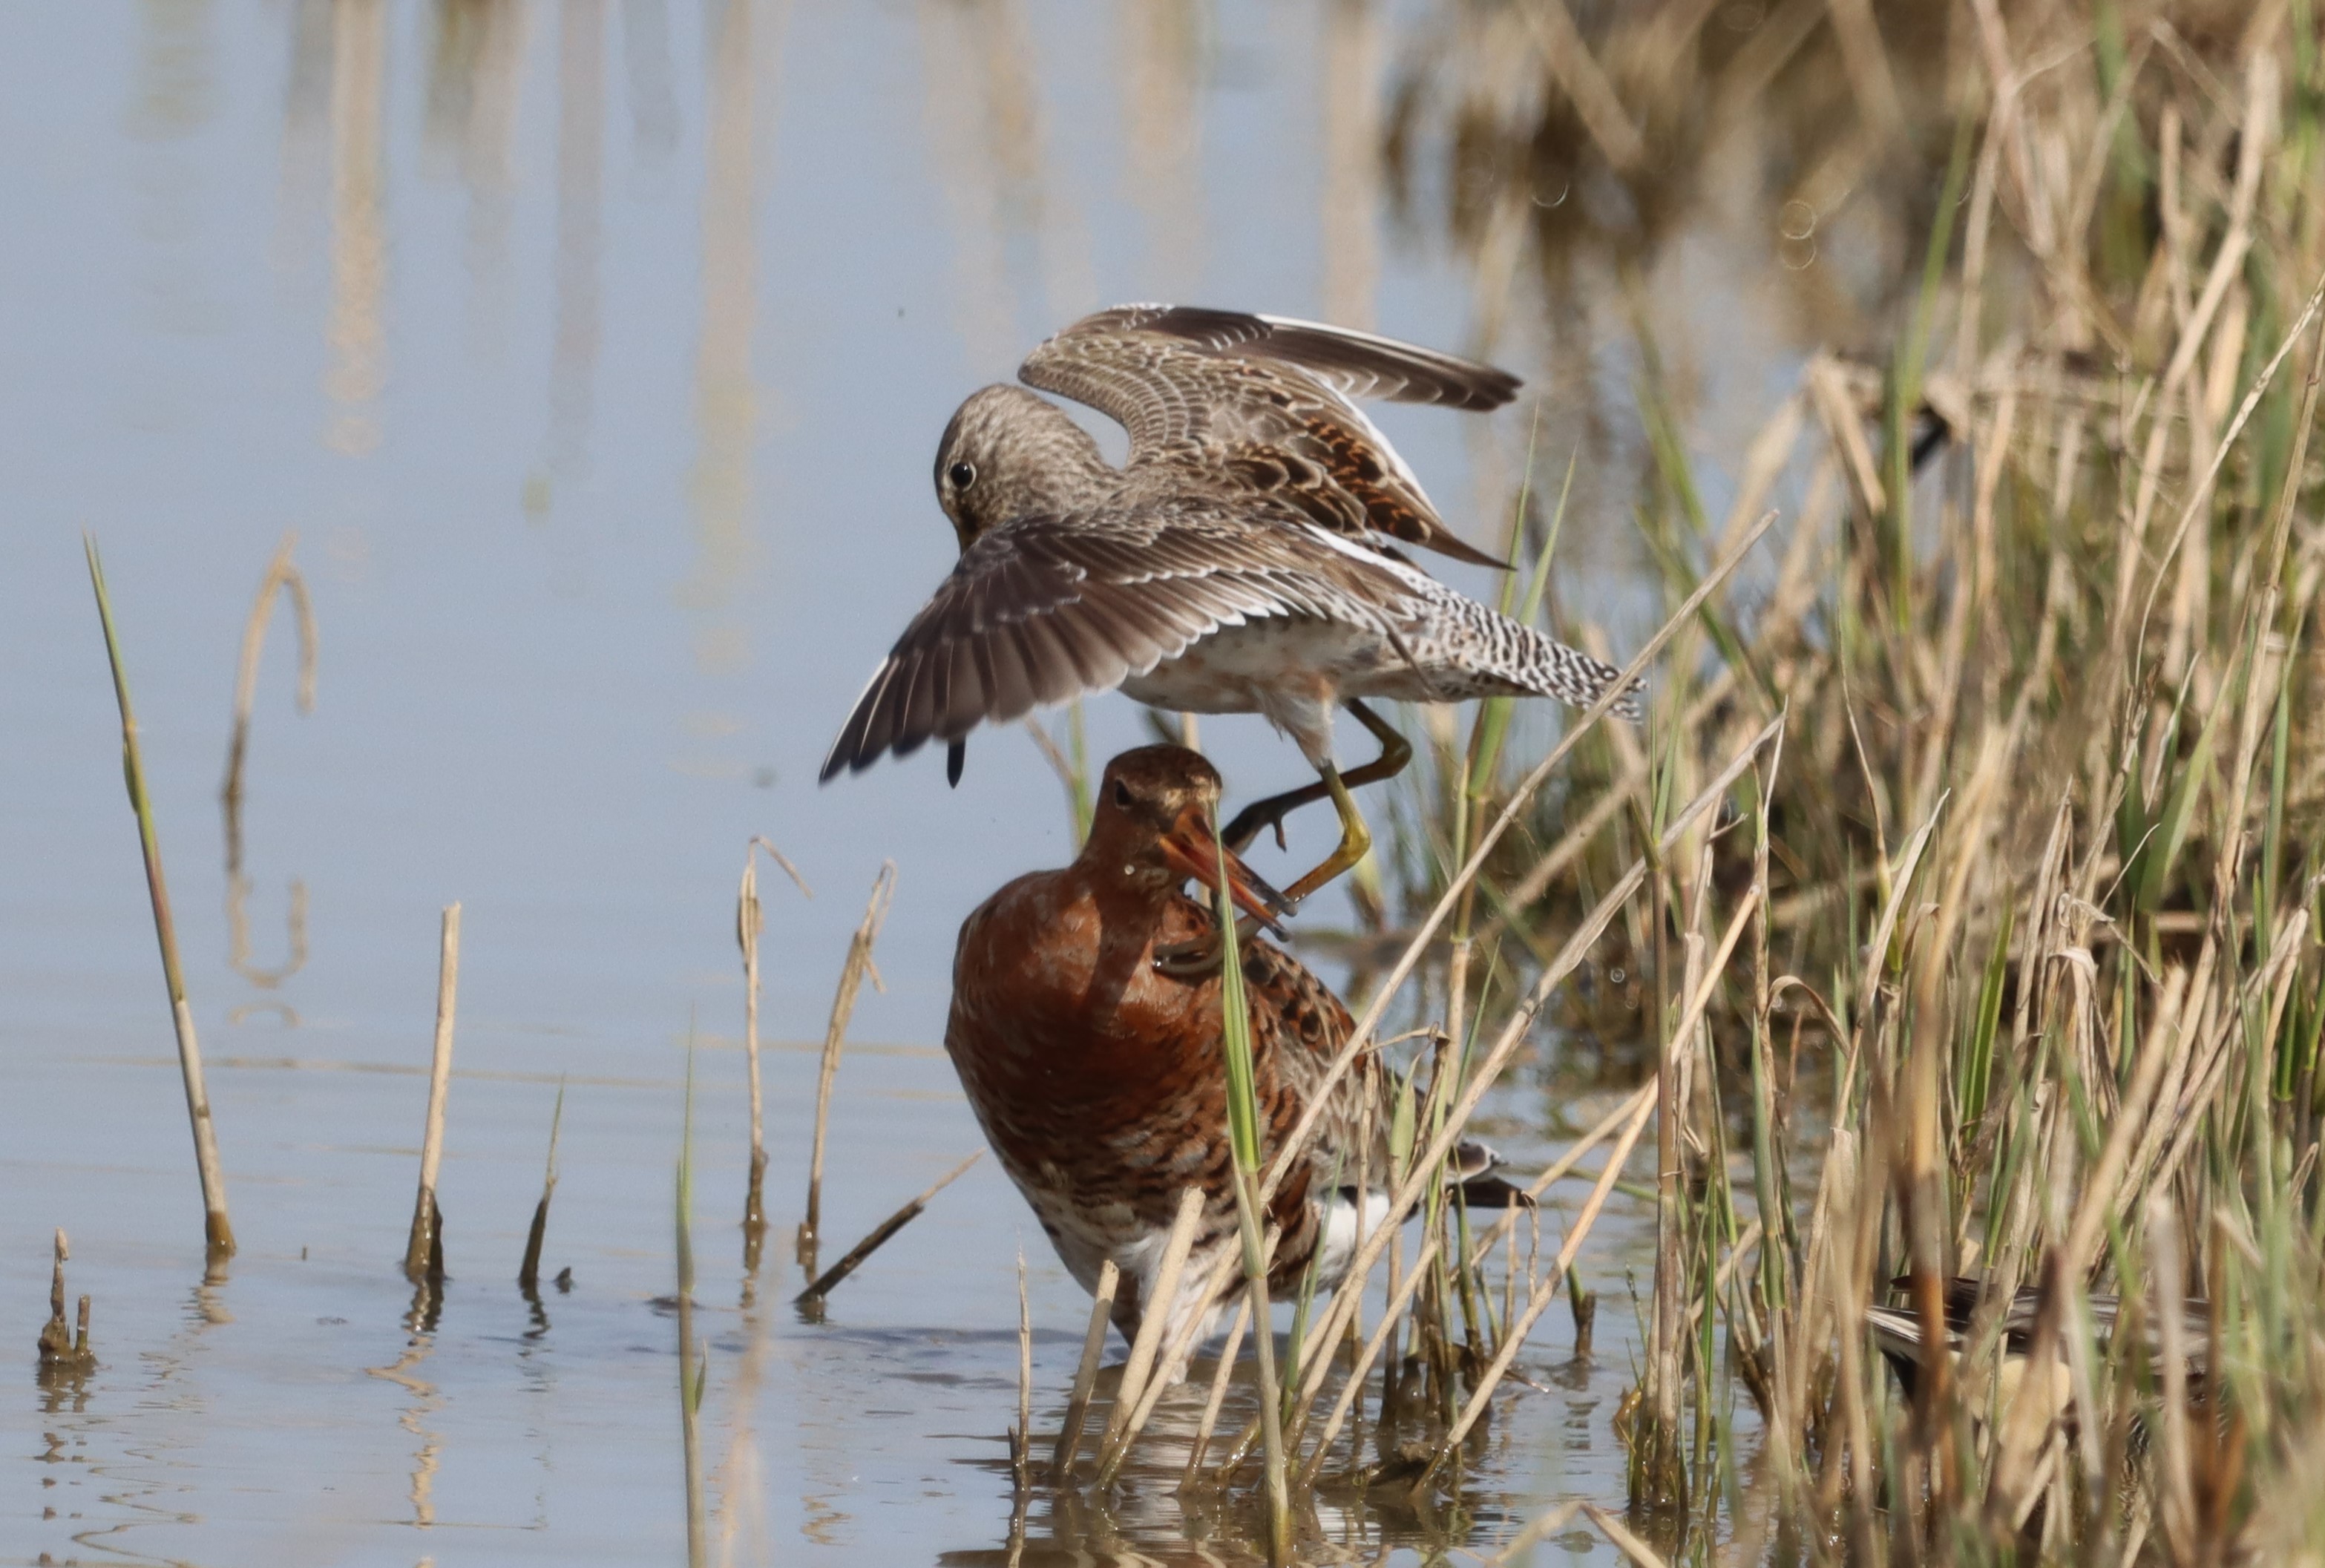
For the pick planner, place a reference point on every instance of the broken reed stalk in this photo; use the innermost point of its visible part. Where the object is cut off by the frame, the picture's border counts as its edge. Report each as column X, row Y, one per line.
column 62, row 1349
column 749, row 921
column 282, row 577
column 1155, row 1302
column 853, row 972
column 423, row 1252
column 1069, row 1436
column 694, row 1364
column 824, row 1282
column 217, row 1230
column 528, row 1274
column 1243, row 1137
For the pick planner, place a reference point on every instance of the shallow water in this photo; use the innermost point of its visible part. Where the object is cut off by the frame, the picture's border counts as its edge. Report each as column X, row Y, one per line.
column 596, row 352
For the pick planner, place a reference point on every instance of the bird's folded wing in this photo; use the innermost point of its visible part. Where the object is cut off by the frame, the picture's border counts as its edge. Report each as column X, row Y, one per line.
column 1044, row 609
column 1267, row 405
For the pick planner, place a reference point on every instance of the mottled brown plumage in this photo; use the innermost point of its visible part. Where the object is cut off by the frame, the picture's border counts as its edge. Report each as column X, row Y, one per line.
column 1101, row 1081
column 1242, row 560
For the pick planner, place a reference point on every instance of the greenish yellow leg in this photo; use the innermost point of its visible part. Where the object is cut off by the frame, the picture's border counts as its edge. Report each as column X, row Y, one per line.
column 1356, row 839
column 1394, row 754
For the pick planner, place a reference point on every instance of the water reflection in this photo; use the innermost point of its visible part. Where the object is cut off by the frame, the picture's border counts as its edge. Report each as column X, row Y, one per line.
column 740, row 56
column 355, row 334
column 581, row 174
column 1163, row 60
column 476, row 90
column 425, row 1401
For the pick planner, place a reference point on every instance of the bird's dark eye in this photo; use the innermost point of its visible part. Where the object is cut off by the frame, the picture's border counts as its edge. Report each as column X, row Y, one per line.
column 1121, row 794
column 962, row 475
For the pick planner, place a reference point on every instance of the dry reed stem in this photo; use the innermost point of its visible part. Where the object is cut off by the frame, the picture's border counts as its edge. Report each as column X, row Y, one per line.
column 852, row 975
column 284, row 577
column 424, row 1253
column 2201, row 495
column 1069, row 1436
column 1172, row 1357
column 1220, row 1376
column 1154, row 1303
column 217, row 1230
column 1361, row 1036
column 823, row 1283
column 750, row 921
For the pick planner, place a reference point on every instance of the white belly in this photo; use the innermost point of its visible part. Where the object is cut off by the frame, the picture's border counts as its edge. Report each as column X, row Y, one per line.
column 1294, row 670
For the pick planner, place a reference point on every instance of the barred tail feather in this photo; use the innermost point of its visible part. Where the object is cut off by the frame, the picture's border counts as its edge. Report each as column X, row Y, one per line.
column 1573, row 676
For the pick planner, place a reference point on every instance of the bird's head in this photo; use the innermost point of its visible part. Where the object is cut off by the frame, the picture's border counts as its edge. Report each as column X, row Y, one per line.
column 1153, row 823
column 1009, row 454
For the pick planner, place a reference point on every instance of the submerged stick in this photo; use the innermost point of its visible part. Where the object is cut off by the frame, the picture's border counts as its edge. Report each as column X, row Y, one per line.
column 423, row 1254
column 749, row 923
column 852, row 975
column 880, row 1235
column 528, row 1274
column 218, row 1231
column 1062, row 1459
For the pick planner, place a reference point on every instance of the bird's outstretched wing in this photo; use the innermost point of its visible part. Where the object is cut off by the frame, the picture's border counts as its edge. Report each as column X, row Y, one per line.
column 1046, row 609
column 1269, row 404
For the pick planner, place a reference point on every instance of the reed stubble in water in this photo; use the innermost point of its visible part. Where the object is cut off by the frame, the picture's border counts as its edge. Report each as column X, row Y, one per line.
column 1070, row 1435
column 217, row 1230
column 423, row 1250
column 853, row 973
column 528, row 1274
column 65, row 1350
column 750, row 921
column 823, row 1284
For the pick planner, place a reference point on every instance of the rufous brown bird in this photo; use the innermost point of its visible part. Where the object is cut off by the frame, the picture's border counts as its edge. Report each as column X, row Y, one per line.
column 1098, row 1071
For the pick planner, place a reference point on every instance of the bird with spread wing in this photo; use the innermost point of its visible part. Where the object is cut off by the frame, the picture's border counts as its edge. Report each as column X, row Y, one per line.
column 1244, row 559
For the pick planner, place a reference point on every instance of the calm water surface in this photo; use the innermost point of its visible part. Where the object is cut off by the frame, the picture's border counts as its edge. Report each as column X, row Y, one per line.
column 597, row 353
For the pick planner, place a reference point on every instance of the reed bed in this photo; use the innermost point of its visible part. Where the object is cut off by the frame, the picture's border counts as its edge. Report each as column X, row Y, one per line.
column 2002, row 959
column 1957, row 913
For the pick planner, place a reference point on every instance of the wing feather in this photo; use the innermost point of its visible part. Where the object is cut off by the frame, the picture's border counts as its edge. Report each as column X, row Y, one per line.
column 1266, row 404
column 1043, row 609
